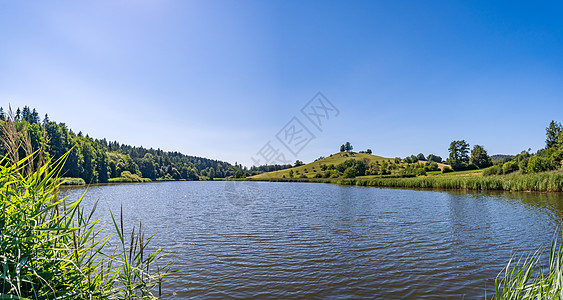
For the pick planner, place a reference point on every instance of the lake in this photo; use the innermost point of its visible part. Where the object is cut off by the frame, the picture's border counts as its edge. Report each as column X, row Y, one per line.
column 265, row 240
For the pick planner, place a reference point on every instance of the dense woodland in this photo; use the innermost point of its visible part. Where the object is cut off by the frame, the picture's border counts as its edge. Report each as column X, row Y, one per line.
column 98, row 161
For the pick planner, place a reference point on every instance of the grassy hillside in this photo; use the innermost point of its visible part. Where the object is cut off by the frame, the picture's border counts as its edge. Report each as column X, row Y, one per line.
column 311, row 169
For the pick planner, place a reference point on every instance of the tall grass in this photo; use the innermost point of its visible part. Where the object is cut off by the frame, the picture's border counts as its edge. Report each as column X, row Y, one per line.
column 50, row 248
column 526, row 279
column 539, row 182
column 544, row 182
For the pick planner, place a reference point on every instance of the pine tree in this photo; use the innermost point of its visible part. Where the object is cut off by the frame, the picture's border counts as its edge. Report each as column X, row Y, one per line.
column 552, row 132
column 26, row 113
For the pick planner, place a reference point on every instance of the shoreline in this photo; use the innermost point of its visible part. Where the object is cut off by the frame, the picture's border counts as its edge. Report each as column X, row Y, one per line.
column 527, row 183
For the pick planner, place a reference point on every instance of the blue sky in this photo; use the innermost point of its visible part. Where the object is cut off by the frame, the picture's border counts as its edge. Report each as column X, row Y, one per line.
column 219, row 79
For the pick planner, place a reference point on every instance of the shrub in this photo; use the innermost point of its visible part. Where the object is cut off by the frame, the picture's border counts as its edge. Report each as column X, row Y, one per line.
column 539, row 164
column 447, row 169
column 318, row 175
column 303, row 176
column 510, row 167
column 350, row 172
column 523, row 164
column 493, row 170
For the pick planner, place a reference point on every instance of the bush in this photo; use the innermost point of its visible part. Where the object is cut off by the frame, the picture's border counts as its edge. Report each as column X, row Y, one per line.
column 447, row 169
column 431, row 166
column 510, row 167
column 493, row 170
column 303, row 176
column 540, row 164
column 349, row 173
column 318, row 175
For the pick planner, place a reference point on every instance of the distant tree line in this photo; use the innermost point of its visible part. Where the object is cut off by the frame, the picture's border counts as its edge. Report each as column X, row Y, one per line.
column 547, row 159
column 97, row 160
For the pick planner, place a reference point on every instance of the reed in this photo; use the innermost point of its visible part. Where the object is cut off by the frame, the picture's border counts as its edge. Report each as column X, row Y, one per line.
column 526, row 278
column 50, row 248
column 541, row 182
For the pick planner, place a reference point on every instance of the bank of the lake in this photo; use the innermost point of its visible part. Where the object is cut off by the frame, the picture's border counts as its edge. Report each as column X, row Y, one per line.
column 539, row 182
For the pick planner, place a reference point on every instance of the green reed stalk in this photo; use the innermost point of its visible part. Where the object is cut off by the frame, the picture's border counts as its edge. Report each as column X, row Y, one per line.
column 50, row 249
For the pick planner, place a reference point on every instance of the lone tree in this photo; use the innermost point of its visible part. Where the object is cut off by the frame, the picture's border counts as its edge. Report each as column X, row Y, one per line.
column 459, row 154
column 479, row 157
column 368, row 151
column 346, row 147
column 552, row 132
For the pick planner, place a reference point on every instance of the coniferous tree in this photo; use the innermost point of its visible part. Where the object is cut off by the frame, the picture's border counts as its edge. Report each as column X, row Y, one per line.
column 26, row 113
column 552, row 133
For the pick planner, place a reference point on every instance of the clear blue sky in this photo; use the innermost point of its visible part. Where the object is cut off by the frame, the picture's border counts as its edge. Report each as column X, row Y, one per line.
column 219, row 79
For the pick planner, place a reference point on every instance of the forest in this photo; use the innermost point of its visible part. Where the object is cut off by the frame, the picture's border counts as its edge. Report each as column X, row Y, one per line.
column 101, row 161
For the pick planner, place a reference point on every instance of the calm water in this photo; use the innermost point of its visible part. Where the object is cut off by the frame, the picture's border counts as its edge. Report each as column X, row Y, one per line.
column 299, row 240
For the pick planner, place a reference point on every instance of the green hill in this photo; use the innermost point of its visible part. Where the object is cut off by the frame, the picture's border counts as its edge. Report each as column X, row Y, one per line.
column 312, row 169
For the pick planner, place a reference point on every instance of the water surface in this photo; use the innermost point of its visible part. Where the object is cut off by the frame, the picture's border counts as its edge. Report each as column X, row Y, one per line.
column 246, row 240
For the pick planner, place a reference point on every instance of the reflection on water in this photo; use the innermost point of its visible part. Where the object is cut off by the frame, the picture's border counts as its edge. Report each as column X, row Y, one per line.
column 299, row 240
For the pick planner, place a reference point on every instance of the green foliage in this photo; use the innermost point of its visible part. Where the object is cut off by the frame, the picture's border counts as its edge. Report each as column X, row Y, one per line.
column 347, row 147
column 359, row 166
column 539, row 164
column 70, row 181
column 126, row 176
column 53, row 250
column 421, row 157
column 510, row 167
column 238, row 174
column 368, row 151
column 493, row 170
column 446, row 169
column 552, row 133
column 479, row 157
column 431, row 166
column 434, row 158
column 544, row 182
column 528, row 278
column 459, row 155
column 350, row 172
column 96, row 160
column 298, row 163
